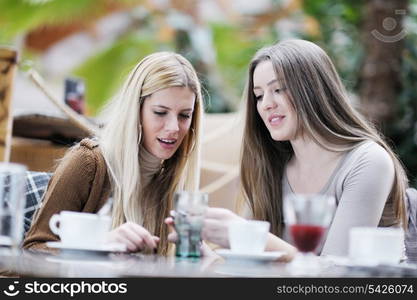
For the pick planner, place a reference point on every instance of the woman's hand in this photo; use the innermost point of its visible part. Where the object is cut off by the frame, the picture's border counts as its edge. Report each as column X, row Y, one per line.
column 134, row 236
column 216, row 222
column 215, row 228
column 206, row 251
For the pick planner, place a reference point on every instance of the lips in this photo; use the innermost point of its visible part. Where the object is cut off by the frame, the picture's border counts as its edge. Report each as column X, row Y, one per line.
column 275, row 119
column 167, row 143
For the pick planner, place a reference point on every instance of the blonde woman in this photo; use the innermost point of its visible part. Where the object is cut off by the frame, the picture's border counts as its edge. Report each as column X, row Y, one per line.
column 148, row 149
column 302, row 135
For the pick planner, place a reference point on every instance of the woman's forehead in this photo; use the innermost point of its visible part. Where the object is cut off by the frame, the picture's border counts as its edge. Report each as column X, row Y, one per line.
column 265, row 76
column 172, row 97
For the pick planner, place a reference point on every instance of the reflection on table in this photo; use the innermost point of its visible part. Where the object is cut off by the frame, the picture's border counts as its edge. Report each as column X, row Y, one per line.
column 83, row 264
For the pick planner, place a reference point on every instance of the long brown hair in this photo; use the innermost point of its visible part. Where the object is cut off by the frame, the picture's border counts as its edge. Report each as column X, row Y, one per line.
column 324, row 113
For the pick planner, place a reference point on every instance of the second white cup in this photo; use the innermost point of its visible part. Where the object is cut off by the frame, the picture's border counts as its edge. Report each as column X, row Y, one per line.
column 369, row 245
column 248, row 236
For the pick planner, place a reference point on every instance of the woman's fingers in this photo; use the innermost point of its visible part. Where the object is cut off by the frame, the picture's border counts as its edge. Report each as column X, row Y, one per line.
column 215, row 231
column 213, row 226
column 134, row 236
column 222, row 214
column 117, row 238
column 145, row 239
column 130, row 234
column 125, row 235
column 216, row 212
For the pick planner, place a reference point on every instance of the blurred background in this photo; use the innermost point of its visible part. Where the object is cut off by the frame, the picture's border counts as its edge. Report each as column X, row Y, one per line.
column 373, row 44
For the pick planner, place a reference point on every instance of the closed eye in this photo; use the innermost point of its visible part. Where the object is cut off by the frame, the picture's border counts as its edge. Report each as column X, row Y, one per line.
column 280, row 90
column 160, row 113
column 258, row 98
column 185, row 116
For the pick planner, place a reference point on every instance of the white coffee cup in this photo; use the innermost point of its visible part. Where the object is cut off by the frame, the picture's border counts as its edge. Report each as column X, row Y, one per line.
column 370, row 245
column 248, row 236
column 80, row 229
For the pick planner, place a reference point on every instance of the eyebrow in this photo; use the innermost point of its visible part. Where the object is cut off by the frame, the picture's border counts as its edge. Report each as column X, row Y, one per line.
column 167, row 108
column 269, row 83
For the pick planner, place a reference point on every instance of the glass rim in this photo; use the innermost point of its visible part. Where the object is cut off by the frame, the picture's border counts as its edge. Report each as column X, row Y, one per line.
column 84, row 215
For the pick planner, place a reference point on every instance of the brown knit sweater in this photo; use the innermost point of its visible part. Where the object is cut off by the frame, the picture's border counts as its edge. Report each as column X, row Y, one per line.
column 80, row 183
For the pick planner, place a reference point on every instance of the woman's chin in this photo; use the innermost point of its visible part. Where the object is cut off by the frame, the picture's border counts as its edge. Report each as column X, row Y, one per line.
column 165, row 154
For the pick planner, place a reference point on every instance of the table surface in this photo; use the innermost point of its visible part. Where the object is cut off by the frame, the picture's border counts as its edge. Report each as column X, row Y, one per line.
column 83, row 264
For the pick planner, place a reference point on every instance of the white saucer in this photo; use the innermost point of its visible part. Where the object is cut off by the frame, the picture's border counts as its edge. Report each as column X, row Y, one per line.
column 345, row 261
column 264, row 256
column 110, row 247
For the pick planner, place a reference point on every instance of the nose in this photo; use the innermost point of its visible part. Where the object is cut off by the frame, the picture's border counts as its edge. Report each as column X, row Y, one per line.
column 171, row 124
column 268, row 102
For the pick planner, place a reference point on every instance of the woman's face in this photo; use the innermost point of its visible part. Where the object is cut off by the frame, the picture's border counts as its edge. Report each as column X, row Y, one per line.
column 273, row 104
column 166, row 118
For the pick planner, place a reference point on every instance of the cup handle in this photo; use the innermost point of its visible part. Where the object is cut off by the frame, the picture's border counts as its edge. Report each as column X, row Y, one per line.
column 53, row 223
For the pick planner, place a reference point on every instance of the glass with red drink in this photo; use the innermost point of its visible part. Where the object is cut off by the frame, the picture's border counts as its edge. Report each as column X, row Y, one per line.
column 307, row 218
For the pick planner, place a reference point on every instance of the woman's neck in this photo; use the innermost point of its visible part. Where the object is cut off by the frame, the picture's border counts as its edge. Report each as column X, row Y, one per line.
column 149, row 165
column 311, row 167
column 308, row 154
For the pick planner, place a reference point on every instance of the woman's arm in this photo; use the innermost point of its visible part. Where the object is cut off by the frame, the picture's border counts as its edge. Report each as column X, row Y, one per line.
column 365, row 191
column 79, row 184
column 68, row 189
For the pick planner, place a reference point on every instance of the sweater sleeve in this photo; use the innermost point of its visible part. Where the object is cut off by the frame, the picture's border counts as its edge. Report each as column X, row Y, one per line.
column 366, row 188
column 68, row 189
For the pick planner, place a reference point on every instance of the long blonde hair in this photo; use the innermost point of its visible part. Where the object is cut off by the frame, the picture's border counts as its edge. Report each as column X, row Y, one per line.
column 324, row 113
column 120, row 144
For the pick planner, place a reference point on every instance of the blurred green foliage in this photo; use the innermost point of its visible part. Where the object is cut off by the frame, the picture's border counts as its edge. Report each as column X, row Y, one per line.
column 105, row 72
column 340, row 22
column 403, row 132
column 19, row 16
column 235, row 48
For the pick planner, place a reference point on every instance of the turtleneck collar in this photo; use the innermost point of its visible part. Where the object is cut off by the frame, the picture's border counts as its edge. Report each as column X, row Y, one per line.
column 149, row 165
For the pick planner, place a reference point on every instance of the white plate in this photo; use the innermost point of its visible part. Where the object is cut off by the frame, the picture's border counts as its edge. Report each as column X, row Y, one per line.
column 264, row 256
column 111, row 247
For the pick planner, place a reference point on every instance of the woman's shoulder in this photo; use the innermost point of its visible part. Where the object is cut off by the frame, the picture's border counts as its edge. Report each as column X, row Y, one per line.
column 86, row 153
column 371, row 150
column 87, row 147
column 89, row 143
column 369, row 154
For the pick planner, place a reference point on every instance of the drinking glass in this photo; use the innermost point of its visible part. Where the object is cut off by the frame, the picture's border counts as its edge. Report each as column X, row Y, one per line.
column 189, row 208
column 307, row 218
column 12, row 203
